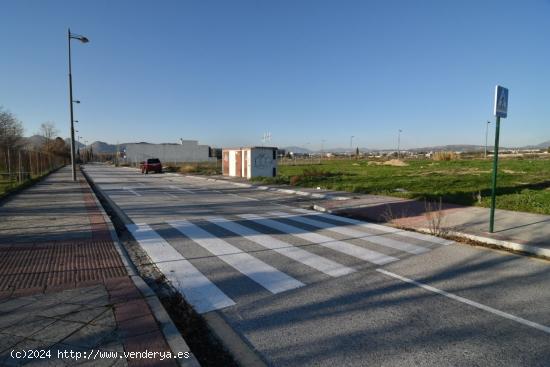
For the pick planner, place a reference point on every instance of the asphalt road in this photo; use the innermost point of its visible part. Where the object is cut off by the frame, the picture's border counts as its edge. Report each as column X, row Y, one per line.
column 304, row 288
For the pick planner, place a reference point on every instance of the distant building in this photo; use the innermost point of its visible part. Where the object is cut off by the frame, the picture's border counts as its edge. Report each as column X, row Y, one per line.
column 250, row 162
column 186, row 151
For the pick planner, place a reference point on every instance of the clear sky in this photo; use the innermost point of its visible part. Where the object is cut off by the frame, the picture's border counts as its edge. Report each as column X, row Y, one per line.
column 224, row 72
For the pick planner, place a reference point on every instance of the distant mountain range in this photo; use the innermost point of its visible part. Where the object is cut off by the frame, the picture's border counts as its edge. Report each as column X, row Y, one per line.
column 103, row 147
column 453, row 148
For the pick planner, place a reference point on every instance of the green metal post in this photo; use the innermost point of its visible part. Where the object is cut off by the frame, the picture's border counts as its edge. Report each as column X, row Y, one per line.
column 494, row 188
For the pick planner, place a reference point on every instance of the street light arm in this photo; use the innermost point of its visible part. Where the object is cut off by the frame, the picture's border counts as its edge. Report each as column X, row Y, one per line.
column 79, row 37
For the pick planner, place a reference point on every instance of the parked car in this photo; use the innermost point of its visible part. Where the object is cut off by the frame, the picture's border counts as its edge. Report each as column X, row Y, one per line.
column 151, row 165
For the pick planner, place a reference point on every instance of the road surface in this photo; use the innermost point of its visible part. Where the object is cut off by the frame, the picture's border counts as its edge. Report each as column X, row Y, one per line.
column 305, row 288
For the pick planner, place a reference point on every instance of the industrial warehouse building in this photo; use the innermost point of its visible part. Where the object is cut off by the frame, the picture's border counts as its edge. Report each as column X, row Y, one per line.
column 187, row 151
column 250, row 162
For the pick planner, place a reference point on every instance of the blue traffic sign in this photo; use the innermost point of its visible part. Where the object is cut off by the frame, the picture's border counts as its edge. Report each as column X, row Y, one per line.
column 501, row 101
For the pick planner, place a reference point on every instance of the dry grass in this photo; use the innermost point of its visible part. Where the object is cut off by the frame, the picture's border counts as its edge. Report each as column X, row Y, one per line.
column 445, row 156
column 395, row 163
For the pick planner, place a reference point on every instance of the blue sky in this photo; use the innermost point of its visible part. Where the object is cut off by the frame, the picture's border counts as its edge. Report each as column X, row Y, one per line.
column 224, row 72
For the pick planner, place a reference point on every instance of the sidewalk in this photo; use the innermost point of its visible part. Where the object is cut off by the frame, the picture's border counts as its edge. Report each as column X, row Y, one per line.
column 63, row 284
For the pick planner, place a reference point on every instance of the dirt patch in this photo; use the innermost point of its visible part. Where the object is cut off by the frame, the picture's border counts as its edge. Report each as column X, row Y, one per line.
column 512, row 171
column 396, row 163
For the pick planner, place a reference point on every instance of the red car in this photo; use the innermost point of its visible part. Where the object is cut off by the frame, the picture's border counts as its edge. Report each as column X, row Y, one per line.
column 151, row 165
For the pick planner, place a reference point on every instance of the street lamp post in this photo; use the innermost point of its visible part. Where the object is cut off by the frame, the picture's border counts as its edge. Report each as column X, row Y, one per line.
column 78, row 145
column 486, row 136
column 71, row 101
column 351, row 146
column 399, row 143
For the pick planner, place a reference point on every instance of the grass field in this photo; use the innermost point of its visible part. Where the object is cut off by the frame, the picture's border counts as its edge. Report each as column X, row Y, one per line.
column 523, row 184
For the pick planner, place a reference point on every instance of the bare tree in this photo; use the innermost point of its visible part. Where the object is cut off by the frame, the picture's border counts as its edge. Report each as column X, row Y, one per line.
column 48, row 131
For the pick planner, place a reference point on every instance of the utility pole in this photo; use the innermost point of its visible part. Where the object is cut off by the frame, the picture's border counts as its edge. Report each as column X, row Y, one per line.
column 351, row 146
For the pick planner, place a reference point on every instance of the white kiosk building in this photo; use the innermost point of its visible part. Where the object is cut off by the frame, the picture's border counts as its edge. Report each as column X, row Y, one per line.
column 250, row 162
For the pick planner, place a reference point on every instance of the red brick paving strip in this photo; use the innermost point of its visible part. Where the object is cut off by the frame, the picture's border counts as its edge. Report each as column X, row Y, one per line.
column 58, row 265
column 100, row 230
column 136, row 324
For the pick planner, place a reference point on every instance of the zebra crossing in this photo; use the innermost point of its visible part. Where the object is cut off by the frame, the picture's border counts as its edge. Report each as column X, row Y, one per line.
column 205, row 295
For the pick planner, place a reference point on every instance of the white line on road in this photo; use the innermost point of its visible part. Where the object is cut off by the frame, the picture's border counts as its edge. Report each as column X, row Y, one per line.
column 244, row 197
column 483, row 307
column 131, row 190
column 400, row 232
column 181, row 189
column 171, row 195
column 267, row 276
column 325, row 241
column 312, row 260
column 200, row 292
column 345, row 230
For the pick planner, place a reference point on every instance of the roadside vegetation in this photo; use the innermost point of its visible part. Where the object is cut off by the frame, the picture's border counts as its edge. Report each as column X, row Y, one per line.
column 523, row 183
column 22, row 162
column 200, row 168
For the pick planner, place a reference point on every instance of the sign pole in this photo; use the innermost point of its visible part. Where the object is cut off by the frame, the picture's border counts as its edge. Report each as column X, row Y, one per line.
column 494, row 185
column 501, row 110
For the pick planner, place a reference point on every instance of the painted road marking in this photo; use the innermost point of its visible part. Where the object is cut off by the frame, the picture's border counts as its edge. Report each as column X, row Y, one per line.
column 131, row 190
column 171, row 195
column 325, row 241
column 181, row 189
column 244, row 197
column 312, row 260
column 267, row 276
column 355, row 234
column 483, row 307
column 400, row 232
column 200, row 292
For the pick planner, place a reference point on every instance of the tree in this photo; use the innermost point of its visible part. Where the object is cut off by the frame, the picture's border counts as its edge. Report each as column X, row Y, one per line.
column 11, row 130
column 48, row 131
column 60, row 148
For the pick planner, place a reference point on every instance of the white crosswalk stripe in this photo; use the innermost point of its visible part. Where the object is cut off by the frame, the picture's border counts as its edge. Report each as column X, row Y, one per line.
column 132, row 190
column 345, row 230
column 312, row 260
column 325, row 241
column 267, row 276
column 378, row 227
column 200, row 292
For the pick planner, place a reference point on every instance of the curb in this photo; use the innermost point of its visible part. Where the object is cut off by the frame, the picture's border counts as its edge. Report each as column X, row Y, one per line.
column 167, row 326
column 506, row 245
